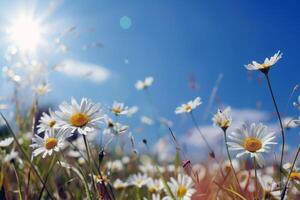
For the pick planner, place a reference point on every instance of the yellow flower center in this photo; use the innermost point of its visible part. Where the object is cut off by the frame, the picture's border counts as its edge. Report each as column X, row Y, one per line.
column 188, row 108
column 79, row 119
column 181, row 191
column 50, row 143
column 117, row 110
column 252, row 144
column 51, row 123
column 265, row 65
column 295, row 176
column 102, row 179
column 152, row 190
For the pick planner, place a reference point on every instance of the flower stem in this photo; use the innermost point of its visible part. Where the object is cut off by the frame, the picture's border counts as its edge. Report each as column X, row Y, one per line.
column 89, row 161
column 281, row 126
column 230, row 160
column 211, row 152
column 256, row 181
column 53, row 161
column 287, row 181
column 18, row 181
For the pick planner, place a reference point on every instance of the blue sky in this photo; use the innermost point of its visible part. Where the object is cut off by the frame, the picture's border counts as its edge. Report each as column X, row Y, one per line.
column 170, row 40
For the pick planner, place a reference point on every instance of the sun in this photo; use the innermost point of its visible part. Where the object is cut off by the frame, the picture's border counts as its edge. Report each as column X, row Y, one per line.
column 25, row 33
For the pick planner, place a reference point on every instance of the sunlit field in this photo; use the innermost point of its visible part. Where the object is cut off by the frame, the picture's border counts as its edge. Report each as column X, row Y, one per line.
column 149, row 100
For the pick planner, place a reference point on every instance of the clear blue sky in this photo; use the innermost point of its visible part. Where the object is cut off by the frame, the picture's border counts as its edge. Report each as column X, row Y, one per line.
column 170, row 40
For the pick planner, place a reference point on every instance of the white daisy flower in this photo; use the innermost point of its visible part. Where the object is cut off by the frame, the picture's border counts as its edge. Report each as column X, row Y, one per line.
column 297, row 121
column 114, row 128
column 289, row 122
column 53, row 140
column 154, row 185
column 266, row 64
column 223, row 118
column 47, row 122
column 102, row 179
column 252, row 139
column 114, row 166
column 119, row 184
column 42, row 89
column 84, row 118
column 6, row 142
column 119, row 108
column 297, row 105
column 132, row 111
column 138, row 180
column 141, row 85
column 269, row 186
column 182, row 188
column 188, row 107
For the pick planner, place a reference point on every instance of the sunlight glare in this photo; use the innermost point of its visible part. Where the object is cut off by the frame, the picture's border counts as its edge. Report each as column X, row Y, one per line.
column 25, row 33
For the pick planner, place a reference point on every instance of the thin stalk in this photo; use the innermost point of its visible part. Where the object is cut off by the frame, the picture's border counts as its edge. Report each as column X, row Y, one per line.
column 230, row 160
column 287, row 181
column 53, row 161
column 24, row 154
column 256, row 180
column 89, row 161
column 18, row 181
column 137, row 193
column 280, row 122
column 211, row 152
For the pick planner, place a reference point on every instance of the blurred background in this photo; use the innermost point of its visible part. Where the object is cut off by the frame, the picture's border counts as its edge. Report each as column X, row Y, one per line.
column 99, row 49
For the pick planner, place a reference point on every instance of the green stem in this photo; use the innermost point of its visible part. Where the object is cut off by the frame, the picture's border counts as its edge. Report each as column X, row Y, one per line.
column 280, row 122
column 24, row 154
column 137, row 194
column 53, row 161
column 18, row 181
column 230, row 160
column 287, row 181
column 256, row 180
column 211, row 152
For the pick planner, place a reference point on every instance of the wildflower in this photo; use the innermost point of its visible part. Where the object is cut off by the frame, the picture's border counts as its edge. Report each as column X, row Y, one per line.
column 47, row 122
column 42, row 89
column 222, row 118
column 114, row 128
column 297, row 121
column 6, row 142
column 84, row 118
column 119, row 108
column 132, row 110
column 269, row 186
column 253, row 140
column 115, row 165
column 142, row 85
column 154, row 185
column 182, row 188
column 138, row 180
column 102, row 179
column 118, row 184
column 297, row 105
column 188, row 107
column 289, row 123
column 125, row 160
column 267, row 63
column 53, row 140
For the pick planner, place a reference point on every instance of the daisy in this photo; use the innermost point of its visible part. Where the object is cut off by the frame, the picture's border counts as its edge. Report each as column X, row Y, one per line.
column 118, row 184
column 146, row 120
column 154, row 185
column 102, row 179
column 289, row 123
column 297, row 121
column 84, row 118
column 114, row 128
column 6, row 142
column 269, row 62
column 182, row 188
column 222, row 118
column 53, row 140
column 42, row 89
column 188, row 107
column 142, row 85
column 114, row 166
column 252, row 139
column 269, row 186
column 138, row 180
column 119, row 108
column 47, row 122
